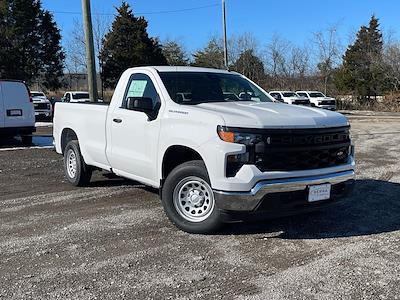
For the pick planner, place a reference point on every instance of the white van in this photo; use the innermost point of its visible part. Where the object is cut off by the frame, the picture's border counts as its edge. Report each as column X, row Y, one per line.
column 17, row 115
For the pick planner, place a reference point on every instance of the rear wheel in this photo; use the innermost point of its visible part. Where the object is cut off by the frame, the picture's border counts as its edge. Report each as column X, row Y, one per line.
column 76, row 170
column 188, row 199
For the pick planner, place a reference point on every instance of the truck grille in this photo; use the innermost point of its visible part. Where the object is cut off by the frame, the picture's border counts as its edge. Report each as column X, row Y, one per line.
column 302, row 149
column 302, row 102
column 41, row 106
column 328, row 102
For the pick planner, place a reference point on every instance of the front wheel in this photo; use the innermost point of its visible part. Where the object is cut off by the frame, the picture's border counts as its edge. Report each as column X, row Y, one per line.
column 76, row 170
column 188, row 199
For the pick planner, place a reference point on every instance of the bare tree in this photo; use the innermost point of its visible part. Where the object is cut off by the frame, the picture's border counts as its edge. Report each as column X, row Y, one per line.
column 238, row 44
column 76, row 57
column 286, row 64
column 329, row 52
column 275, row 60
column 391, row 64
column 299, row 64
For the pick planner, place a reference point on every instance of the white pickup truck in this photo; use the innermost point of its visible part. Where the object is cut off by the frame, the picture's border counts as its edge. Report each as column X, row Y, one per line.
column 317, row 99
column 215, row 158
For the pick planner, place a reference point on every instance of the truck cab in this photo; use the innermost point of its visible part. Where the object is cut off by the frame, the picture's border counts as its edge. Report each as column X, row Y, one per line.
column 214, row 143
column 75, row 97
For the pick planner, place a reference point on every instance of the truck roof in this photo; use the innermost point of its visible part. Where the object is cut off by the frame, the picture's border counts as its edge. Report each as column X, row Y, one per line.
column 184, row 69
column 307, row 91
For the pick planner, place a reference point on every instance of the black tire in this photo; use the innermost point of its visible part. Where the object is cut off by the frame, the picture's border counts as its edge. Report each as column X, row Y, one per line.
column 26, row 140
column 82, row 174
column 186, row 172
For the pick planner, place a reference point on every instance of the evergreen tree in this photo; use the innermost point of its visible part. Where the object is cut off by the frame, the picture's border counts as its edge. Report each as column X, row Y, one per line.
column 128, row 45
column 53, row 55
column 362, row 69
column 212, row 56
column 29, row 43
column 249, row 65
column 175, row 54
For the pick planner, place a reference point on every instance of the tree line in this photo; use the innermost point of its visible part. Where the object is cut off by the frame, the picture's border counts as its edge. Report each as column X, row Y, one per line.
column 30, row 49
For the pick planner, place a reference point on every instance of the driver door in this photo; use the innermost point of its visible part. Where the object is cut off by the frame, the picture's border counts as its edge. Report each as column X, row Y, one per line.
column 134, row 136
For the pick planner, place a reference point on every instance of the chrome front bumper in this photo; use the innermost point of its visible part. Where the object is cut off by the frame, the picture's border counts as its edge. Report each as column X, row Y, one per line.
column 249, row 201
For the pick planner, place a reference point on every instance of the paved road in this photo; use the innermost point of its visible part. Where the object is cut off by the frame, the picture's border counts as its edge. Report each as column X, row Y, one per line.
column 112, row 241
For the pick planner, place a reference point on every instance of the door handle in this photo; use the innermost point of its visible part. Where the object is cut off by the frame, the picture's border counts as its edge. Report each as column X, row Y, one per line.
column 117, row 120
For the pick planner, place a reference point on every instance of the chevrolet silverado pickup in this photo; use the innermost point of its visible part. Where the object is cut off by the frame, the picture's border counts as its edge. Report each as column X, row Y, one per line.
column 224, row 152
column 317, row 99
column 289, row 97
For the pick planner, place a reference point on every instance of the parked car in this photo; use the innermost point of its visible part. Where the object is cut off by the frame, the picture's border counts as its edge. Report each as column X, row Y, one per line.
column 17, row 116
column 318, row 99
column 77, row 96
column 213, row 159
column 43, row 107
column 289, row 97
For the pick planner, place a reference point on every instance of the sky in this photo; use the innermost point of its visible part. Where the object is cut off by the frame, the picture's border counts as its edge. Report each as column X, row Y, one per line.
column 193, row 22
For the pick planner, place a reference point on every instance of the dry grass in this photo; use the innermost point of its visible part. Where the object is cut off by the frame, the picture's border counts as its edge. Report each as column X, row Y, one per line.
column 391, row 103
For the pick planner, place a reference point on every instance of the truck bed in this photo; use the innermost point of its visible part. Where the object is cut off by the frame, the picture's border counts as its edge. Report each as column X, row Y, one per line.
column 88, row 121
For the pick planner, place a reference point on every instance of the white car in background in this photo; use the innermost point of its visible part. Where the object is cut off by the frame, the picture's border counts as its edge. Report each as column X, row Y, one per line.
column 289, row 97
column 17, row 116
column 76, row 96
column 318, row 99
column 43, row 107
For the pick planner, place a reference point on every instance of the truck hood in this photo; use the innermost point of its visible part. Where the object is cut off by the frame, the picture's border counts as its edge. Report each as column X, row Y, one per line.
column 273, row 115
column 40, row 100
column 322, row 98
column 296, row 98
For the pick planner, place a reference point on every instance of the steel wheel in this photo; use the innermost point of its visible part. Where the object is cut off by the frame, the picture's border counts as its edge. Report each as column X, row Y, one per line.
column 193, row 199
column 71, row 163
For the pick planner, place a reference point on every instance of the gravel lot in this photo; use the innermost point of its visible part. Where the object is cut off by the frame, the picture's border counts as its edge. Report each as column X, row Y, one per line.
column 112, row 240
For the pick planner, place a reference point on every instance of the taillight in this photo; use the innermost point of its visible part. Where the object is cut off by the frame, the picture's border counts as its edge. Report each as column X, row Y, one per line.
column 30, row 96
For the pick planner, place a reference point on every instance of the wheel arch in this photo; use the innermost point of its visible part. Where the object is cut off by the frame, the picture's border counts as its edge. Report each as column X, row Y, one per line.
column 67, row 135
column 175, row 155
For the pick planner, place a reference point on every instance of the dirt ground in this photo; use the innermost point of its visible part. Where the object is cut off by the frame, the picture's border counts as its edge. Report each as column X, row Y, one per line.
column 112, row 240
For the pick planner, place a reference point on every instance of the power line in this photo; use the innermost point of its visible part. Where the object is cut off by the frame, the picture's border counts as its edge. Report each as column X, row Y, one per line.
column 140, row 13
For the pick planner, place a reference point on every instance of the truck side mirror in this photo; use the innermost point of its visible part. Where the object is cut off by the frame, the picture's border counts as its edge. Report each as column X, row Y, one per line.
column 143, row 104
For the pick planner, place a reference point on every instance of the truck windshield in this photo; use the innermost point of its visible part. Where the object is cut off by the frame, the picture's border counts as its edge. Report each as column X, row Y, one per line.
column 289, row 94
column 204, row 87
column 37, row 94
column 316, row 95
column 80, row 96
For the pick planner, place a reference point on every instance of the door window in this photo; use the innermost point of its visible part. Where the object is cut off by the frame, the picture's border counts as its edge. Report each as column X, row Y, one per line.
column 277, row 96
column 140, row 85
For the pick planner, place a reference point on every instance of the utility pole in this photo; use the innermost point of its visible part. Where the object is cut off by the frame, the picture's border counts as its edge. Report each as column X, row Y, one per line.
column 90, row 58
column 225, row 39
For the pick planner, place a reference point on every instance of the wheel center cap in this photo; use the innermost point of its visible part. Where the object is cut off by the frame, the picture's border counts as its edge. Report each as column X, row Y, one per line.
column 196, row 198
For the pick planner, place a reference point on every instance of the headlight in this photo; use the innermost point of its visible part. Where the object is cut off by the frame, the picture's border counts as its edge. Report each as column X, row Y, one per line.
column 237, row 136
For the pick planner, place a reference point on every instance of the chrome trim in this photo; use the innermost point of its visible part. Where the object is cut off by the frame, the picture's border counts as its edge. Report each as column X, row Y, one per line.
column 249, row 200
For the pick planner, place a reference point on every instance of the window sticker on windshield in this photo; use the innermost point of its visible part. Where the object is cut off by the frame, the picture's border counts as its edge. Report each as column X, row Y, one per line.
column 137, row 87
